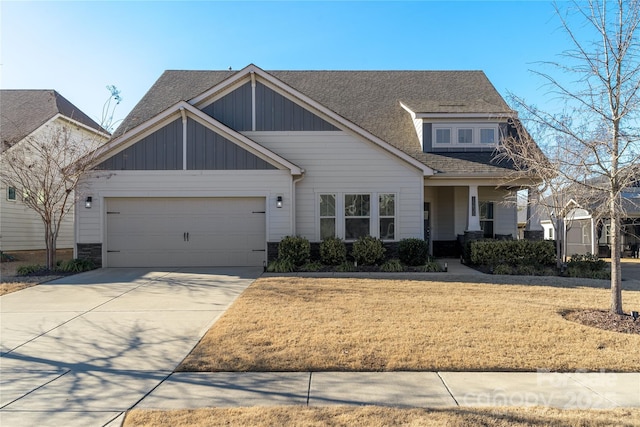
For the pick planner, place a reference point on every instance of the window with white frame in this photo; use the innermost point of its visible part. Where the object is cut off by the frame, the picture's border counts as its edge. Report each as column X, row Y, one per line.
column 350, row 216
column 550, row 235
column 466, row 134
column 487, row 136
column 387, row 216
column 486, row 219
column 11, row 193
column 327, row 216
column 443, row 136
column 357, row 215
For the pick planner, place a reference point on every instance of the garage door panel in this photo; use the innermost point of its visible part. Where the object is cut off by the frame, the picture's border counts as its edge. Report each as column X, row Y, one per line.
column 175, row 232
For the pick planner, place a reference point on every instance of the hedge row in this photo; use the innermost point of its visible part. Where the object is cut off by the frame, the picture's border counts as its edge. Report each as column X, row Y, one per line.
column 512, row 252
column 366, row 250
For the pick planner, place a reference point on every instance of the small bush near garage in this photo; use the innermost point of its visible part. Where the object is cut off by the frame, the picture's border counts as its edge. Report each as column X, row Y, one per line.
column 413, row 252
column 281, row 266
column 77, row 265
column 333, row 251
column 524, row 256
column 588, row 266
column 31, row 270
column 295, row 249
column 368, row 250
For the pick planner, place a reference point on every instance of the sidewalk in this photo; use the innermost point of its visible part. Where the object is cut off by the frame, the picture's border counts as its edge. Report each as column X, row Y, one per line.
column 189, row 390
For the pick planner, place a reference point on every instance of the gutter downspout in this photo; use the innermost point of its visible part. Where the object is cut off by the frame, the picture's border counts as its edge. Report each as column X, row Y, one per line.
column 293, row 201
column 183, row 113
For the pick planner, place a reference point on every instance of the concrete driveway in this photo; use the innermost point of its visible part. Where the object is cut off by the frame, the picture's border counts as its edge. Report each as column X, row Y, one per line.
column 84, row 349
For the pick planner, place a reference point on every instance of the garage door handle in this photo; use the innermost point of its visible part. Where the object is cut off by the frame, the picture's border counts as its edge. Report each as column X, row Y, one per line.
column 187, row 237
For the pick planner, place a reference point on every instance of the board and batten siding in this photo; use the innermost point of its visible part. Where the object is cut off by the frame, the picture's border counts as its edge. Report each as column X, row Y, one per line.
column 336, row 162
column 228, row 183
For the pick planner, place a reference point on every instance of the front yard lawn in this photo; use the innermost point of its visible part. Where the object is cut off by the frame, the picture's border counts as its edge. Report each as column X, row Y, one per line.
column 329, row 324
column 379, row 416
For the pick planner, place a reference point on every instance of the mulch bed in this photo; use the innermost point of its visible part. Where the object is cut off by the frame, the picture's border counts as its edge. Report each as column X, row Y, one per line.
column 605, row 320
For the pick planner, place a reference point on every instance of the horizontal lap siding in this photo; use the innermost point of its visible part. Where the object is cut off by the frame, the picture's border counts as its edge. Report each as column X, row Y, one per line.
column 22, row 228
column 505, row 213
column 337, row 162
column 141, row 184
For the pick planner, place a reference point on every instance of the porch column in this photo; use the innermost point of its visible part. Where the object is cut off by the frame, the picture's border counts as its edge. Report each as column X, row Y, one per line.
column 533, row 230
column 473, row 219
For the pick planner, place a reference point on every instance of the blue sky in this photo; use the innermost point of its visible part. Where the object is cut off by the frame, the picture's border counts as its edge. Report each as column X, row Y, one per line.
column 80, row 47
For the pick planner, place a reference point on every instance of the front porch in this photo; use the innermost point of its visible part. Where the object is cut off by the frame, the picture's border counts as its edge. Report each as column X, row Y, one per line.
column 457, row 213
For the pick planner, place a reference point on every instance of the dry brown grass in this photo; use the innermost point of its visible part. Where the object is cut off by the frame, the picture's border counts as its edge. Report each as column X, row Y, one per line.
column 9, row 282
column 381, row 416
column 7, row 288
column 304, row 324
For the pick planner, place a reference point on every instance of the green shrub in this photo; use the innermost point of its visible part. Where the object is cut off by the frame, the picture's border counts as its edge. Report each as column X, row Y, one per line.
column 502, row 269
column 392, row 266
column 526, row 270
column 311, row 266
column 413, row 252
column 295, row 249
column 281, row 266
column 346, row 267
column 588, row 266
column 430, row 267
column 25, row 270
column 512, row 252
column 368, row 250
column 77, row 265
column 333, row 251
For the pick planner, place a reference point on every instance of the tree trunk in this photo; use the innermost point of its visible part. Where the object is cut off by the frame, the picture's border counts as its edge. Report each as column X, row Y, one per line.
column 616, row 276
column 51, row 247
column 559, row 243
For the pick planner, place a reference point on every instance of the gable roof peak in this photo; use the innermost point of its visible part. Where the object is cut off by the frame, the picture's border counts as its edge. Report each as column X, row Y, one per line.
column 22, row 111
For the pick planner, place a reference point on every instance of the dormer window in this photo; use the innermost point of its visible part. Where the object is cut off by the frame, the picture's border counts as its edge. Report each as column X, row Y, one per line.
column 443, row 136
column 465, row 136
column 461, row 134
column 487, row 136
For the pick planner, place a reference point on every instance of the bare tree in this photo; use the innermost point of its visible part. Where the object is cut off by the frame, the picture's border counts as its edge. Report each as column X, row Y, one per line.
column 47, row 167
column 592, row 143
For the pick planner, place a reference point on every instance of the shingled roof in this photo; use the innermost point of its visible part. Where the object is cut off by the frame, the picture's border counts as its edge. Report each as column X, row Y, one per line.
column 23, row 111
column 369, row 99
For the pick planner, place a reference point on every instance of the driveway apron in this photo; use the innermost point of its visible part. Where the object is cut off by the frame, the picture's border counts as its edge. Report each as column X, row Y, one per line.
column 84, row 349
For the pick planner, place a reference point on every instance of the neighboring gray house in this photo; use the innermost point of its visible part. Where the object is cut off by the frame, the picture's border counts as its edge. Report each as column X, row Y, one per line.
column 581, row 233
column 30, row 114
column 216, row 167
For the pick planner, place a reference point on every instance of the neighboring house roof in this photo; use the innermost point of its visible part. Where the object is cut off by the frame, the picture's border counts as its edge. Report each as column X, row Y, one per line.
column 24, row 111
column 369, row 99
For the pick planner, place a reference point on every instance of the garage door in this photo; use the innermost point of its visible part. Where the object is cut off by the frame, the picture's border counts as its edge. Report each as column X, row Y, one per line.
column 185, row 232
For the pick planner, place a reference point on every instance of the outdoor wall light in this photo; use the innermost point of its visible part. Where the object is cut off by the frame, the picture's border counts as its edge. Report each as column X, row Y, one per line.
column 87, row 202
column 279, row 202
